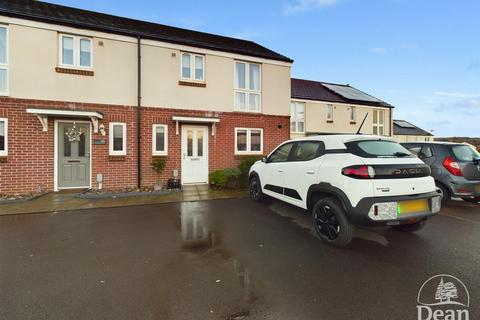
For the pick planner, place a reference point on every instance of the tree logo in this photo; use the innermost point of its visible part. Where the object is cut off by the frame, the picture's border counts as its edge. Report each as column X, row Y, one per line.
column 443, row 297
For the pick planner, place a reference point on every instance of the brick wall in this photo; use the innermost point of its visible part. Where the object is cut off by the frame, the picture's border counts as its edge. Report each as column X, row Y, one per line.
column 30, row 162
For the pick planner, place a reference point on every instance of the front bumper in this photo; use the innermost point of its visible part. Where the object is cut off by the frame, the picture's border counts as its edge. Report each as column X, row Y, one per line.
column 465, row 189
column 364, row 214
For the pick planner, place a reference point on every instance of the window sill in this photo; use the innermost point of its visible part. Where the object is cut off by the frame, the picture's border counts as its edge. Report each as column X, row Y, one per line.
column 159, row 155
column 192, row 84
column 255, row 153
column 329, row 121
column 247, row 111
column 79, row 72
column 117, row 158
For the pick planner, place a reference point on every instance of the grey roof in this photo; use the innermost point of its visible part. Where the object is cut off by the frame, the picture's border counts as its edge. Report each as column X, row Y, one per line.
column 405, row 128
column 333, row 92
column 57, row 14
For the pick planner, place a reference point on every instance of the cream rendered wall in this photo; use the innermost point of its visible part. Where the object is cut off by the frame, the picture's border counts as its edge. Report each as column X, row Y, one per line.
column 161, row 76
column 316, row 118
column 34, row 54
column 406, row 138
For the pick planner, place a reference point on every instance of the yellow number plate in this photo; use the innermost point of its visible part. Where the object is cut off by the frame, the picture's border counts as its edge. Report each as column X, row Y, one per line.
column 406, row 207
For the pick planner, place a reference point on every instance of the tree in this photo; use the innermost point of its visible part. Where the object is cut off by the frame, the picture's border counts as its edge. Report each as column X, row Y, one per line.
column 446, row 291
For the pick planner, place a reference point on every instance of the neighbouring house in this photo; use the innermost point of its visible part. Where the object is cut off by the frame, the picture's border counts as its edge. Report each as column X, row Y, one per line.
column 404, row 131
column 329, row 108
column 89, row 99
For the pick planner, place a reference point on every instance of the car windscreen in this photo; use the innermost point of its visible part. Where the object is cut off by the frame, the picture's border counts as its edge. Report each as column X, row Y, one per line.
column 465, row 153
column 377, row 149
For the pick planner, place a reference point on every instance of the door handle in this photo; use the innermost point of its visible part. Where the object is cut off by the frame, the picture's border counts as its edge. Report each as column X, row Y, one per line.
column 310, row 172
column 280, row 170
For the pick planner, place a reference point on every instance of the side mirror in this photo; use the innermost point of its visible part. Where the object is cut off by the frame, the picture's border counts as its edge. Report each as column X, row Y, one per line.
column 264, row 159
column 476, row 161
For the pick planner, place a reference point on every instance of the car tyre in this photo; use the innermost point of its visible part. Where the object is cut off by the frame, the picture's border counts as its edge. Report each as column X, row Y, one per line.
column 331, row 223
column 444, row 193
column 474, row 199
column 256, row 189
column 412, row 227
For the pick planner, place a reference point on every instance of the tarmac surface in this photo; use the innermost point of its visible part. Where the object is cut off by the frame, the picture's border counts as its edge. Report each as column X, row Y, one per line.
column 224, row 259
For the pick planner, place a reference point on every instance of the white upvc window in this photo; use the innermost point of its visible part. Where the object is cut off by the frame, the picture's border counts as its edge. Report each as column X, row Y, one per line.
column 118, row 138
column 3, row 137
column 248, row 141
column 297, row 117
column 3, row 60
column 160, row 140
column 329, row 111
column 248, row 87
column 193, row 67
column 75, row 51
column 353, row 114
column 378, row 122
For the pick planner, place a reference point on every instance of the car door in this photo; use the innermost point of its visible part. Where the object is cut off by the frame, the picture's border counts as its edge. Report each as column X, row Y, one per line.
column 301, row 170
column 272, row 176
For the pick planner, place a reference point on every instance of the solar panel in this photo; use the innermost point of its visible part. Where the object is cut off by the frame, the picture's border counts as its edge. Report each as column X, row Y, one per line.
column 404, row 124
column 351, row 93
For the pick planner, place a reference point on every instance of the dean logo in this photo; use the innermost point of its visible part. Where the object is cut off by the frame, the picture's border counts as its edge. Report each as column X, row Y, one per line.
column 443, row 297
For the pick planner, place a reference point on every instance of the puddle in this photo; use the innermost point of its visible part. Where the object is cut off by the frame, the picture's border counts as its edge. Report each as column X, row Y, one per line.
column 202, row 240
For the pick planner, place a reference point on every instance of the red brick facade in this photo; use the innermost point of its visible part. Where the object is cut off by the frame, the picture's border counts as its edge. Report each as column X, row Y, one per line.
column 29, row 165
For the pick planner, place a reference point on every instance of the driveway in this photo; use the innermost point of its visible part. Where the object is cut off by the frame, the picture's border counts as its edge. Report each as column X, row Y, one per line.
column 224, row 259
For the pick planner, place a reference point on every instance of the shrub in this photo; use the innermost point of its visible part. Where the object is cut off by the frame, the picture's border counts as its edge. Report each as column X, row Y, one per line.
column 246, row 164
column 225, row 178
column 158, row 164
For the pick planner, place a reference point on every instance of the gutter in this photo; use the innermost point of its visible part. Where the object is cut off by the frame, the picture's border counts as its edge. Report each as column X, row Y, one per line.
column 139, row 104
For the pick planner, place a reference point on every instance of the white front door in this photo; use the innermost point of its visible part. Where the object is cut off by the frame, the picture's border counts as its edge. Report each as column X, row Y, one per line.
column 194, row 154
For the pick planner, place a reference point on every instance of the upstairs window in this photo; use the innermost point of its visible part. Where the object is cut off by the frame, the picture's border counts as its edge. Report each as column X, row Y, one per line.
column 378, row 122
column 118, row 138
column 3, row 137
column 75, row 52
column 329, row 112
column 193, row 67
column 297, row 117
column 160, row 140
column 3, row 60
column 248, row 93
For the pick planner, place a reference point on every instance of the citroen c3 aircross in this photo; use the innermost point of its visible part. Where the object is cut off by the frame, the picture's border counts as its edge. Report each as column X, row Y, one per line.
column 347, row 180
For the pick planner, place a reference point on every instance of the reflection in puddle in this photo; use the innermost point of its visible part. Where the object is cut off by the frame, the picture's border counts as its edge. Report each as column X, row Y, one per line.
column 200, row 239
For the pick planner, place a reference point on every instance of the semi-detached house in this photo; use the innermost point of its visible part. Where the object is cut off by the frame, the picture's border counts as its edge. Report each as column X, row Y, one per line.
column 89, row 98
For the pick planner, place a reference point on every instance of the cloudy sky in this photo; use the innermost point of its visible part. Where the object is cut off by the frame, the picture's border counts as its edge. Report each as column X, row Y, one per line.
column 422, row 56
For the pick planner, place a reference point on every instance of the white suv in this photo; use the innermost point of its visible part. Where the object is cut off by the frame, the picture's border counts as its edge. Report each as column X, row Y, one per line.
column 347, row 180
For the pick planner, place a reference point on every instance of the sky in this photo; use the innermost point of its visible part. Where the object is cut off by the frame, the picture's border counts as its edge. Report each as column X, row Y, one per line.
column 422, row 56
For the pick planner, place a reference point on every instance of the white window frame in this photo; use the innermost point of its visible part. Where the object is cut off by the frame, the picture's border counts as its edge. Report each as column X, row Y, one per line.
column 329, row 106
column 192, row 66
column 4, row 153
column 353, row 114
column 246, row 90
column 155, row 152
column 293, row 117
column 249, row 145
column 377, row 125
column 76, row 52
column 4, row 66
column 122, row 152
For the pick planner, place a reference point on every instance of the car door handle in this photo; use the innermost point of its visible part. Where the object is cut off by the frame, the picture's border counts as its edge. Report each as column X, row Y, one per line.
column 280, row 170
column 311, row 172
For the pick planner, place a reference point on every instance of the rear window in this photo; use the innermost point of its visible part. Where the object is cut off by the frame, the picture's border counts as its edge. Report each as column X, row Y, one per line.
column 378, row 149
column 465, row 153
